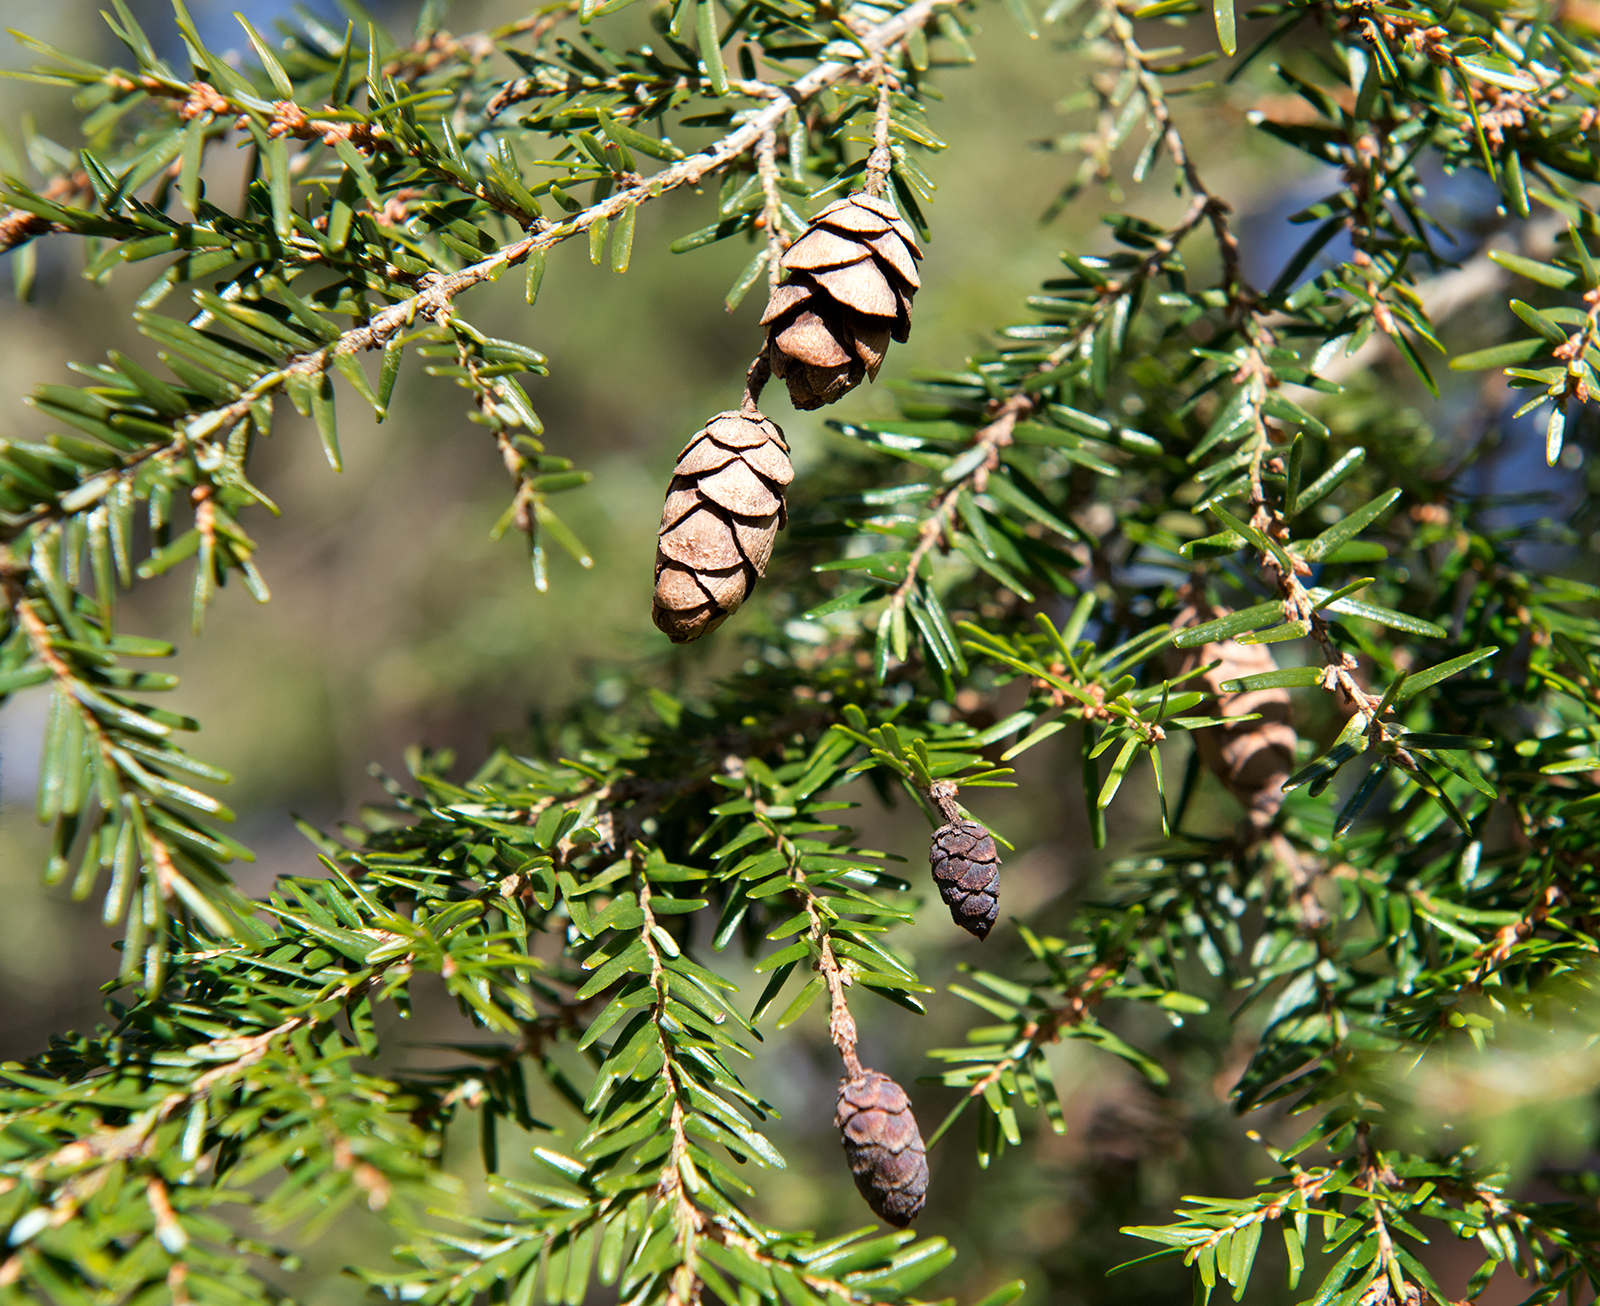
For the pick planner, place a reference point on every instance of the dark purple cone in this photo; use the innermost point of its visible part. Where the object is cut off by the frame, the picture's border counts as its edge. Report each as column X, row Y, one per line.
column 966, row 867
column 883, row 1147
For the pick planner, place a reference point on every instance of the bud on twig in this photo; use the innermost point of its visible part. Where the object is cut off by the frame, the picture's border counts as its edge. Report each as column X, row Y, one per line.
column 883, row 1146
column 724, row 509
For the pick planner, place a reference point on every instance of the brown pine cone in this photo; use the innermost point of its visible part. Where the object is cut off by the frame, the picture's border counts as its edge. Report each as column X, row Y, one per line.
column 966, row 867
column 883, row 1146
column 1251, row 758
column 851, row 280
column 724, row 509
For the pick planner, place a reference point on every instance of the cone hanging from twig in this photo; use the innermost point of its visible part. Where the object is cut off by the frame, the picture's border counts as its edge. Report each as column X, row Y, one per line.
column 724, row 509
column 966, row 867
column 852, row 276
column 883, row 1146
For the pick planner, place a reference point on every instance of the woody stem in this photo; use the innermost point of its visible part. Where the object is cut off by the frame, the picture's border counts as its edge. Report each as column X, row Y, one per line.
column 772, row 209
column 942, row 794
column 881, row 160
column 754, row 381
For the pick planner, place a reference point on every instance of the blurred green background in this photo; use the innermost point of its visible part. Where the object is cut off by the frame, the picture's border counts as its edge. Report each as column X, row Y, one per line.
column 395, row 619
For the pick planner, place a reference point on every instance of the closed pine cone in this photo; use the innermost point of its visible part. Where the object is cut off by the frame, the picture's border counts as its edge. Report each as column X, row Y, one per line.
column 852, row 276
column 724, row 509
column 883, row 1146
column 966, row 867
column 1251, row 758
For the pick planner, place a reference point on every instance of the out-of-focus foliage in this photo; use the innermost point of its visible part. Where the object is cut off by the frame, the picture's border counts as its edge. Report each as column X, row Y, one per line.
column 1172, row 497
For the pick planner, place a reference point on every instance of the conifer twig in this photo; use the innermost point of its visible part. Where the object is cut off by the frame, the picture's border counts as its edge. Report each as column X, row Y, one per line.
column 841, row 1024
column 772, row 210
column 943, row 794
column 881, row 160
column 436, row 292
column 18, row 226
column 686, row 1216
column 992, row 438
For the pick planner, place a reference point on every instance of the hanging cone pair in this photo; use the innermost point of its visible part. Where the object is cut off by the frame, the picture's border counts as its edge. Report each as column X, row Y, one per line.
column 852, row 276
column 966, row 867
column 883, row 1146
column 724, row 509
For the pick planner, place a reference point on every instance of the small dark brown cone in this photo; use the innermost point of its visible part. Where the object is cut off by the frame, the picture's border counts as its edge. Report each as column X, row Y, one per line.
column 724, row 509
column 852, row 277
column 966, row 867
column 883, row 1146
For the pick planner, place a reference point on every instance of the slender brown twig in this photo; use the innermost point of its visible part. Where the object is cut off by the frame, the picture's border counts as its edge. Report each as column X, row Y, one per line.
column 686, row 1215
column 18, row 226
column 841, row 1024
column 1216, row 209
column 772, row 210
column 992, row 438
column 943, row 794
column 755, row 381
column 881, row 160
